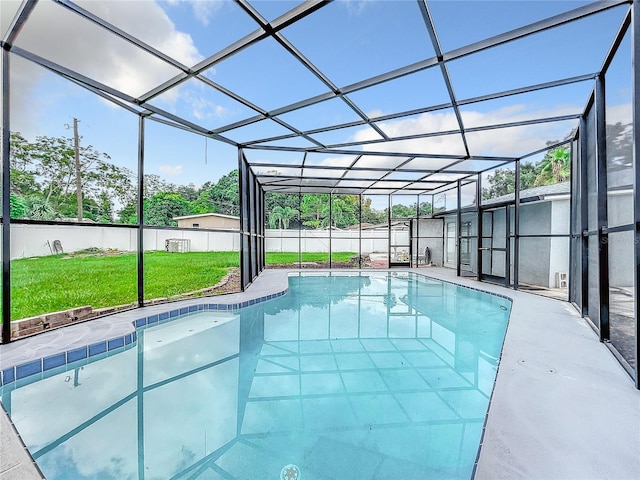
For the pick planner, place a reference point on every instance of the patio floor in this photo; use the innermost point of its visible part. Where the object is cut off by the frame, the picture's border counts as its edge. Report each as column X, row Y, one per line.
column 562, row 406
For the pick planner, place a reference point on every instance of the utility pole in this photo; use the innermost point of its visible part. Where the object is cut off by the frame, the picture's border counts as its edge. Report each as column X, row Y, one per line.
column 76, row 145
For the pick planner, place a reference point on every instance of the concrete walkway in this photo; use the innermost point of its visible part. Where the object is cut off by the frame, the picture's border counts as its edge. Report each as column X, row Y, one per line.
column 562, row 406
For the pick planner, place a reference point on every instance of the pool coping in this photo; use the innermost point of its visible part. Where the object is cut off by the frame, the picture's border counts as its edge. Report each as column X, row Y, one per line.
column 42, row 365
column 51, row 349
column 540, row 421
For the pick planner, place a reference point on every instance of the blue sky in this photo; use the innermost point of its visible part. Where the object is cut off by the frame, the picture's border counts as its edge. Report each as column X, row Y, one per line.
column 348, row 40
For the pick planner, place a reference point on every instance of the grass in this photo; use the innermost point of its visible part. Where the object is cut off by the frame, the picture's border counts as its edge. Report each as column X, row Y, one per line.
column 284, row 258
column 58, row 282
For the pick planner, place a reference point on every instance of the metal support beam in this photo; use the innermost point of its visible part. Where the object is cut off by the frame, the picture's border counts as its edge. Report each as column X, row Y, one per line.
column 479, row 228
column 603, row 237
column 6, row 202
column 458, row 232
column 360, row 232
column 241, row 189
column 389, row 231
column 635, row 95
column 507, row 249
column 584, row 216
column 546, row 24
column 140, row 271
column 428, row 20
column 330, row 229
column 516, row 229
column 18, row 21
column 300, row 231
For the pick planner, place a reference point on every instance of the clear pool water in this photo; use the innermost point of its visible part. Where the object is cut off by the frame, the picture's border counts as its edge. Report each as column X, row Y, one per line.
column 370, row 376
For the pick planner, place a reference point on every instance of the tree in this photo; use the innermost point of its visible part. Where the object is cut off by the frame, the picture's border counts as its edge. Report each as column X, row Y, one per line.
column 403, row 211
column 370, row 215
column 162, row 207
column 129, row 213
column 17, row 206
column 39, row 209
column 204, row 203
column 555, row 167
column 225, row 194
column 425, row 208
column 275, row 217
column 45, row 172
column 503, row 180
column 313, row 209
column 288, row 214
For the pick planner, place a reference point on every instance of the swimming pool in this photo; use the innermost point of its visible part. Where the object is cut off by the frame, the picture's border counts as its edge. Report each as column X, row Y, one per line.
column 371, row 375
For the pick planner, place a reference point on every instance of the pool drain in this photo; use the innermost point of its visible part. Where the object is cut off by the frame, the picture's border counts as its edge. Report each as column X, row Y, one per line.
column 290, row 472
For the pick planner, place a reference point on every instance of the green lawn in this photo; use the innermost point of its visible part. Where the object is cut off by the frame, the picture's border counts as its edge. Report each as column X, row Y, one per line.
column 59, row 282
column 279, row 258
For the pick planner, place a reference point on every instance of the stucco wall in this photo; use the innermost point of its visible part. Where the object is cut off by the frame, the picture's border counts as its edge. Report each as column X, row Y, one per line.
column 209, row 221
column 534, row 267
column 430, row 232
column 37, row 240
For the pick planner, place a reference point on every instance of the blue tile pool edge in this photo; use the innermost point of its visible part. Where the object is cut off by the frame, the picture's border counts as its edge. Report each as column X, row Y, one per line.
column 44, row 364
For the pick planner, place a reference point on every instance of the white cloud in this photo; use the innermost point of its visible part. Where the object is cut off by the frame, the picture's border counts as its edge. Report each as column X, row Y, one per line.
column 65, row 38
column 203, row 109
column 355, row 7
column 171, row 170
column 508, row 142
column 203, row 10
column 619, row 114
column 57, row 34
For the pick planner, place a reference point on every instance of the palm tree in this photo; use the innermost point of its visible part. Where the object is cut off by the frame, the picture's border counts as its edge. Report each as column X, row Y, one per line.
column 276, row 217
column 288, row 214
column 555, row 167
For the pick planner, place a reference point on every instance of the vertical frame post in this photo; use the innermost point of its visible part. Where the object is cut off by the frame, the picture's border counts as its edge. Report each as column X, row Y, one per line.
column 360, row 234
column 479, row 228
column 507, row 250
column 458, row 231
column 584, row 216
column 389, row 231
column 243, row 220
column 140, row 271
column 516, row 228
column 6, row 202
column 300, row 231
column 635, row 54
column 330, row 230
column 603, row 238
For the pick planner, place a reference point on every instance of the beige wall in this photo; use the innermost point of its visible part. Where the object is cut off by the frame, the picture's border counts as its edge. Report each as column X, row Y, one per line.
column 210, row 221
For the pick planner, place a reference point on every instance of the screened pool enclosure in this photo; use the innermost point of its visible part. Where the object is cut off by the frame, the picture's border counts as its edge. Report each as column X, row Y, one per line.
column 494, row 138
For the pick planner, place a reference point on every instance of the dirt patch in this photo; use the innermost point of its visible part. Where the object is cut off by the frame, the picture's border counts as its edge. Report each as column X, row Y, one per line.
column 306, row 265
column 95, row 252
column 230, row 283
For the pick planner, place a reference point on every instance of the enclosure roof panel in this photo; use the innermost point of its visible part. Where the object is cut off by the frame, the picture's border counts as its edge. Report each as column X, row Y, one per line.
column 371, row 96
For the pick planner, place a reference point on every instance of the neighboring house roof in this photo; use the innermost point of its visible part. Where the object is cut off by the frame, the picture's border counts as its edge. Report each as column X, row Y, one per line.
column 202, row 215
column 535, row 193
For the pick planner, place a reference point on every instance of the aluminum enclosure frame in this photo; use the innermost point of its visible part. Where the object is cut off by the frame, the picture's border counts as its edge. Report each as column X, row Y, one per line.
column 254, row 185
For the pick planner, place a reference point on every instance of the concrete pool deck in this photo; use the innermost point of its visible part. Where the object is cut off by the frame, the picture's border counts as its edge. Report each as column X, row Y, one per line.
column 562, row 406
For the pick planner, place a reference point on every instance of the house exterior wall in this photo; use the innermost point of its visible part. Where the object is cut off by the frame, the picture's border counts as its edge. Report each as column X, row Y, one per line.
column 431, row 234
column 621, row 267
column 210, row 221
column 535, row 267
